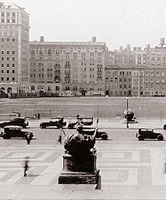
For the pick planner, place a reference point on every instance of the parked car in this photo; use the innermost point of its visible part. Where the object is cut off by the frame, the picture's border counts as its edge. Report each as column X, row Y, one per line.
column 15, row 131
column 144, row 133
column 164, row 127
column 99, row 134
column 18, row 121
column 85, row 121
column 58, row 122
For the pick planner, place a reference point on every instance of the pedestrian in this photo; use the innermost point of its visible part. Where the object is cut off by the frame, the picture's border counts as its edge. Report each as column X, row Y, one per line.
column 60, row 138
column 26, row 166
column 38, row 116
column 28, row 138
column 165, row 167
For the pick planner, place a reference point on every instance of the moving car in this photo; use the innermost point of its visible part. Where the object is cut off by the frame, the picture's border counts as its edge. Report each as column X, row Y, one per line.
column 18, row 121
column 15, row 131
column 58, row 122
column 144, row 133
column 99, row 134
column 85, row 121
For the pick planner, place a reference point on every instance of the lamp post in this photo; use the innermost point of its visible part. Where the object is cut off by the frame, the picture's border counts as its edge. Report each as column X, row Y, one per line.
column 127, row 114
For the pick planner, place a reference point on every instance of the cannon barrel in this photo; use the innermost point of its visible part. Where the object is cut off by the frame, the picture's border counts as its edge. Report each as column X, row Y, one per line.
column 129, row 113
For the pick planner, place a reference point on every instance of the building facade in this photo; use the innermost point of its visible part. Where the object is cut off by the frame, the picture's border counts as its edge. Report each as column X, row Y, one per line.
column 137, row 72
column 61, row 68
column 14, row 48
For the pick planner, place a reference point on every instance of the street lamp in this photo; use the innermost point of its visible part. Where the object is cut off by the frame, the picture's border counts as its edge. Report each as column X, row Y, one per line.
column 127, row 113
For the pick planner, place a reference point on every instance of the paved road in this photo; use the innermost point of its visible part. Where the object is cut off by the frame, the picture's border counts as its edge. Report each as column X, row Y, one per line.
column 117, row 131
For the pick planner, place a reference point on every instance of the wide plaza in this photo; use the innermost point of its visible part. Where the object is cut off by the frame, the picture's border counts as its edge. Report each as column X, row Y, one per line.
column 129, row 170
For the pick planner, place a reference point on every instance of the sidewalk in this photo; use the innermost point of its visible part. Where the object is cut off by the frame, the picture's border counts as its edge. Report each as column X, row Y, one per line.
column 48, row 193
column 129, row 170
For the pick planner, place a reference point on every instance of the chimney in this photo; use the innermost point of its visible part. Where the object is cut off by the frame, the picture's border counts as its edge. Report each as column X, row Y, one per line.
column 94, row 39
column 41, row 38
column 147, row 46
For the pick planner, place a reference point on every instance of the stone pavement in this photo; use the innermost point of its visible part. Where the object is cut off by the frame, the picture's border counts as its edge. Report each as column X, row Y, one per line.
column 129, row 170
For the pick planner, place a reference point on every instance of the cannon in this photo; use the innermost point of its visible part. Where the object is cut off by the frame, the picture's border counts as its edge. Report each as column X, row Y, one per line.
column 129, row 114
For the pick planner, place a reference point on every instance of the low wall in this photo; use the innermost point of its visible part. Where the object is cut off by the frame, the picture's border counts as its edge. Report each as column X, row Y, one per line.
column 4, row 117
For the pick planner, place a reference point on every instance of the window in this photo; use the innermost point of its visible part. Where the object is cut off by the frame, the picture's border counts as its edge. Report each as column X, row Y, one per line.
column 2, row 52
column 13, row 52
column 13, row 78
column 13, row 65
column 13, row 40
column 7, row 52
column 13, row 71
column 7, row 58
column 7, row 65
column 2, row 58
column 13, row 58
column 7, row 71
column 2, row 65
column 8, row 39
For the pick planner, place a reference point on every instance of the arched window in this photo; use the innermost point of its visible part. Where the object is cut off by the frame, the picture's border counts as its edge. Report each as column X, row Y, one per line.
column 33, row 52
column 49, row 52
column 9, row 90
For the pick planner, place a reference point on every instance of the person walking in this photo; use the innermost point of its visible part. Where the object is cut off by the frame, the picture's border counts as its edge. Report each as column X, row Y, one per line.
column 60, row 138
column 26, row 166
column 28, row 138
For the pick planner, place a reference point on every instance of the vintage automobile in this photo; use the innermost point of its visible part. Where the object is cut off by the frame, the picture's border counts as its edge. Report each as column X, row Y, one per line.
column 144, row 133
column 85, row 121
column 58, row 122
column 99, row 134
column 15, row 131
column 164, row 127
column 18, row 121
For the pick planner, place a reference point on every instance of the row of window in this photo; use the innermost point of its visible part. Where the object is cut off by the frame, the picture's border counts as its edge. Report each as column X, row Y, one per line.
column 7, row 52
column 7, row 71
column 124, row 86
column 7, row 65
column 8, row 39
column 7, row 79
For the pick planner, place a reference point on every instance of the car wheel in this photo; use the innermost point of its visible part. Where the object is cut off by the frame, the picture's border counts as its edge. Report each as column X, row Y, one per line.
column 140, row 138
column 70, row 126
column 42, row 126
column 104, row 137
column 6, row 137
column 160, row 137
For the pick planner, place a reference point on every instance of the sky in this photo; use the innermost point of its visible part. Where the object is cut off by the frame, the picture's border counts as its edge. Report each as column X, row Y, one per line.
column 115, row 22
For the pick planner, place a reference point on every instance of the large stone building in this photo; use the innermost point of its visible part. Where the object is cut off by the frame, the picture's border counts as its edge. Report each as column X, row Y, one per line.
column 137, row 72
column 68, row 68
column 14, row 48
